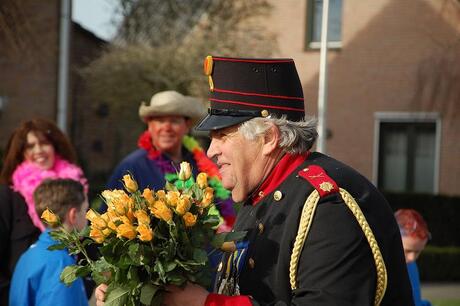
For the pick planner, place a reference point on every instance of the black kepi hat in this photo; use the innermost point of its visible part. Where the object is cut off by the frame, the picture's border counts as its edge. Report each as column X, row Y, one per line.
column 242, row 89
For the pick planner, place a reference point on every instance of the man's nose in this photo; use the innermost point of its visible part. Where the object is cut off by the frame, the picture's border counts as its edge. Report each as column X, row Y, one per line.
column 212, row 150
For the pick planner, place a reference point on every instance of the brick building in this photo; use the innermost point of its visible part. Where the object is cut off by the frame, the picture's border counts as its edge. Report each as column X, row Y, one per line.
column 393, row 99
column 393, row 104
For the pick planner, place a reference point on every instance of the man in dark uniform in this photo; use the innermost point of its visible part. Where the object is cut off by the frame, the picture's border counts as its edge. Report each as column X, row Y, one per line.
column 318, row 232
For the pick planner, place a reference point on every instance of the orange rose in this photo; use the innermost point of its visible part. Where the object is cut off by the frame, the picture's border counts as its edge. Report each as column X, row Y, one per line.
column 208, row 196
column 183, row 205
column 49, row 217
column 161, row 211
column 189, row 219
column 126, row 230
column 129, row 183
column 91, row 214
column 202, row 180
column 142, row 217
column 97, row 235
column 172, row 198
column 99, row 222
column 148, row 196
column 145, row 232
column 161, row 194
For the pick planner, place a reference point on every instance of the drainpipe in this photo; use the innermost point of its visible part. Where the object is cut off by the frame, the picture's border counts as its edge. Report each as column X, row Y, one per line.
column 63, row 77
column 322, row 90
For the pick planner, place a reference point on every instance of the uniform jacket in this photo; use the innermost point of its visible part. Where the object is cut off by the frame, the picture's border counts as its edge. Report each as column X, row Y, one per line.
column 36, row 278
column 336, row 266
column 17, row 233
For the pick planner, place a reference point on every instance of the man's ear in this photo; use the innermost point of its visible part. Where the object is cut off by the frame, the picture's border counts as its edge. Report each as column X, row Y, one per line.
column 189, row 124
column 271, row 140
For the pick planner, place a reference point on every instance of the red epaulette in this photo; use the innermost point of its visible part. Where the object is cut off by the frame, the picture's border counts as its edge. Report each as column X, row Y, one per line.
column 319, row 179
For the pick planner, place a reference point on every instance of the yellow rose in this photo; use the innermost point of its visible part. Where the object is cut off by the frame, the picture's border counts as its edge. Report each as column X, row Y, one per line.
column 125, row 220
column 202, row 180
column 129, row 183
column 185, row 171
column 99, row 222
column 91, row 214
column 142, row 217
column 126, row 230
column 172, row 198
column 208, row 196
column 183, row 205
column 189, row 219
column 106, row 231
column 145, row 232
column 111, row 195
column 49, row 217
column 161, row 211
column 148, row 196
column 120, row 207
column 161, row 194
column 97, row 235
column 112, row 225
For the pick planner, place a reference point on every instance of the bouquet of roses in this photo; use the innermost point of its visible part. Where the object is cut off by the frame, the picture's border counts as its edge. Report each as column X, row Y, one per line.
column 147, row 240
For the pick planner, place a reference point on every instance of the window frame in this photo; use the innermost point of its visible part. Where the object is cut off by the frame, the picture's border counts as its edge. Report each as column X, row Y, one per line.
column 407, row 117
column 316, row 45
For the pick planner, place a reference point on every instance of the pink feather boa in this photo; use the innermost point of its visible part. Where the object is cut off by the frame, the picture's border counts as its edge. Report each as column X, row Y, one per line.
column 28, row 176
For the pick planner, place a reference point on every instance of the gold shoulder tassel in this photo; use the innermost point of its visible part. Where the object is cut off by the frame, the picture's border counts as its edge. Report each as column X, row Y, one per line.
column 306, row 218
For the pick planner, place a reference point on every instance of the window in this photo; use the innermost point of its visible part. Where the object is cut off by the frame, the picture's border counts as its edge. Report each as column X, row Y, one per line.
column 314, row 19
column 407, row 155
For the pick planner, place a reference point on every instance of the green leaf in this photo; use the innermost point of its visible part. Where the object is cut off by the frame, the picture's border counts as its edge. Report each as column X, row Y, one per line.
column 200, row 256
column 170, row 177
column 170, row 187
column 147, row 293
column 69, row 274
column 176, row 278
column 117, row 296
column 59, row 246
column 179, row 184
column 160, row 270
column 168, row 267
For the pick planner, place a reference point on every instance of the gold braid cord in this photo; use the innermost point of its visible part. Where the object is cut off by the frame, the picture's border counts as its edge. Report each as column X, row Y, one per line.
column 305, row 224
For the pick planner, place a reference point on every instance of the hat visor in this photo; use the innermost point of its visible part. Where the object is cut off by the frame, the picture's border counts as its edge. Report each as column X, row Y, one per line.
column 215, row 122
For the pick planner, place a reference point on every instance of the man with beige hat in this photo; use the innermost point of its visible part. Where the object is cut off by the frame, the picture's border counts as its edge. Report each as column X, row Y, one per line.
column 165, row 144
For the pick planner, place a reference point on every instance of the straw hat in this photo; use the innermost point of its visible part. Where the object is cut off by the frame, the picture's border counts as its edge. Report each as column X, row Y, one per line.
column 171, row 102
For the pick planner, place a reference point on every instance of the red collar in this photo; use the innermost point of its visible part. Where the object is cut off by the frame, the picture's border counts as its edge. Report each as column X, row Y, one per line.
column 282, row 170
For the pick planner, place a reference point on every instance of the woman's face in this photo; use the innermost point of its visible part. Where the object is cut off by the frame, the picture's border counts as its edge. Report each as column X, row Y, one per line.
column 39, row 151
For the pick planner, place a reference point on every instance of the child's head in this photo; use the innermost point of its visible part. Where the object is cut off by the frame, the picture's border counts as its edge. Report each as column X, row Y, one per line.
column 414, row 232
column 66, row 198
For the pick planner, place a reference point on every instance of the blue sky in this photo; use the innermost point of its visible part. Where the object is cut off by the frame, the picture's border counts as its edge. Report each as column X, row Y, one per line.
column 95, row 16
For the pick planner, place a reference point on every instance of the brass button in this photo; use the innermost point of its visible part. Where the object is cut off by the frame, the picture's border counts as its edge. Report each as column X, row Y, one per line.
column 278, row 195
column 252, row 263
column 261, row 194
column 261, row 228
column 264, row 113
column 219, row 268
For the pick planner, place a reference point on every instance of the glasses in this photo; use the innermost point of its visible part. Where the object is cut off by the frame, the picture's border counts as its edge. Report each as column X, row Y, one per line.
column 170, row 120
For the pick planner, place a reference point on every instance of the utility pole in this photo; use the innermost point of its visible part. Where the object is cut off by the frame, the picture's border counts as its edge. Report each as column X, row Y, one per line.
column 63, row 77
column 322, row 88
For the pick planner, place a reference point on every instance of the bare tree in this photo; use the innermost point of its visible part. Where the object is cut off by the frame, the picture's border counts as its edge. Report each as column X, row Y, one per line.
column 161, row 46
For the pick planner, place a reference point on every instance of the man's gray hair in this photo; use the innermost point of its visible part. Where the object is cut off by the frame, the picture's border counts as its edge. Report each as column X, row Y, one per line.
column 296, row 137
